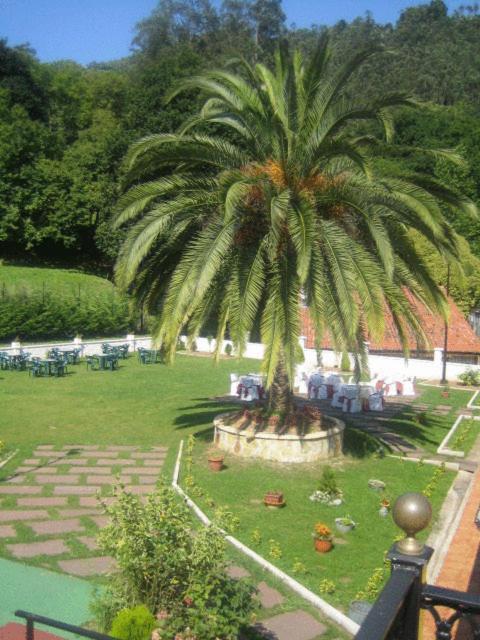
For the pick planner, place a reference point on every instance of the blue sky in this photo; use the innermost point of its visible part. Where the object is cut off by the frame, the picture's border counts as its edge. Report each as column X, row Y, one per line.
column 99, row 30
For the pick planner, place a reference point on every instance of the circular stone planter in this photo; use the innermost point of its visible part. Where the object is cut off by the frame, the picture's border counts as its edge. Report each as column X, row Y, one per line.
column 319, row 445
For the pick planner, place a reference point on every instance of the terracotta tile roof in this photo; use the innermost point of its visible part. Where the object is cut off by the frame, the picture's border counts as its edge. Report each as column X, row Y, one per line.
column 461, row 337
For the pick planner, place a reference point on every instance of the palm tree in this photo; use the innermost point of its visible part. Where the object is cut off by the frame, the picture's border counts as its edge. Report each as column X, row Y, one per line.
column 299, row 198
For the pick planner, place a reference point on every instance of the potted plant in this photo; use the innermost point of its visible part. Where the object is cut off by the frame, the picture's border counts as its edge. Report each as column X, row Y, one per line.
column 274, row 420
column 445, row 393
column 322, row 538
column 215, row 460
column 274, row 499
column 345, row 524
column 384, row 507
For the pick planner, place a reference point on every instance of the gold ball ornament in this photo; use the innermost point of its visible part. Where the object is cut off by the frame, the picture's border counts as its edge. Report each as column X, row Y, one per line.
column 412, row 513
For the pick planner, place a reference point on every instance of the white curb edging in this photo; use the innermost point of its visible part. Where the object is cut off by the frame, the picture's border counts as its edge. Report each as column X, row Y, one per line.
column 470, row 404
column 8, row 458
column 443, row 449
column 330, row 612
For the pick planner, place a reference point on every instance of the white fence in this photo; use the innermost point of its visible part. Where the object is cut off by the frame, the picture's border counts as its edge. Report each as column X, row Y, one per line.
column 378, row 364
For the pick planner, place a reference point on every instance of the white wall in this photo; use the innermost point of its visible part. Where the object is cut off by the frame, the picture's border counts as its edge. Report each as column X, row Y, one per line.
column 426, row 369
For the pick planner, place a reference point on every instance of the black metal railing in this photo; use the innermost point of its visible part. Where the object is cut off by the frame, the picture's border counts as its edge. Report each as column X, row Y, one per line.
column 396, row 614
column 32, row 618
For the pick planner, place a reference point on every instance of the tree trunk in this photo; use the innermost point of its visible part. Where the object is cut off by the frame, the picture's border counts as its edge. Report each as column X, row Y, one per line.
column 281, row 397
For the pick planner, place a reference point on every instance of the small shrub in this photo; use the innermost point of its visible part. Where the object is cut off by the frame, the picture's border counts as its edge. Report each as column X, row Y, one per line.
column 274, row 549
column 327, row 586
column 133, row 624
column 161, row 564
column 194, row 346
column 328, row 483
column 470, row 378
column 180, row 345
column 256, row 537
column 228, row 349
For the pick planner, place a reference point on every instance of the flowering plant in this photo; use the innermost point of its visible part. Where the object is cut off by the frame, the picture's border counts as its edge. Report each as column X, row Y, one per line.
column 385, row 502
column 322, row 532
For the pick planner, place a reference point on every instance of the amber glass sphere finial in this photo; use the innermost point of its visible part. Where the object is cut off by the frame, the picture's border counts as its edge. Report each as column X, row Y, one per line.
column 412, row 513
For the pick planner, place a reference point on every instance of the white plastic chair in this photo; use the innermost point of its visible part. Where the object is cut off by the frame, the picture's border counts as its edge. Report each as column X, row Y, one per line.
column 375, row 402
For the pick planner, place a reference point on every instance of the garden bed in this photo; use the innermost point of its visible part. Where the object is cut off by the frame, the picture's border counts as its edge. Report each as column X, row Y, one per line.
column 284, row 536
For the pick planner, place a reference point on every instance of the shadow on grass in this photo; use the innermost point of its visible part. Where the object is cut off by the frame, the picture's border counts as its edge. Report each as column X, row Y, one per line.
column 428, row 433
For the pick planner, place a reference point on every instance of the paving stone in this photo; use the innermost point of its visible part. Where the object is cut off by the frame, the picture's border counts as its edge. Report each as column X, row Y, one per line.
column 236, row 572
column 84, row 447
column 24, row 490
column 32, row 549
column 75, row 513
column 100, row 521
column 295, row 625
column 102, row 454
column 121, row 447
column 75, row 491
column 96, row 470
column 12, row 516
column 38, row 462
column 45, row 447
column 70, row 461
column 102, row 479
column 139, row 490
column 16, row 479
column 151, row 480
column 44, row 470
column 24, row 469
column 56, row 526
column 149, row 455
column 268, row 597
column 7, row 531
column 147, row 471
column 88, row 566
column 41, row 502
column 89, row 541
column 93, row 502
column 103, row 462
column 57, row 479
column 446, row 407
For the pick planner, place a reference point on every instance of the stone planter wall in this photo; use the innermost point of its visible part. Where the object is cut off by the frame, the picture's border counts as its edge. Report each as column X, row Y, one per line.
column 320, row 445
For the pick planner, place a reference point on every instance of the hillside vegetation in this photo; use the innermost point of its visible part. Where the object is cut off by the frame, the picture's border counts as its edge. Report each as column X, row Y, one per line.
column 65, row 128
column 44, row 303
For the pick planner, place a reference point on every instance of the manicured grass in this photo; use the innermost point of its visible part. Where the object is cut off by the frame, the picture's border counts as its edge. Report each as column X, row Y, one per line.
column 431, row 431
column 67, row 282
column 242, row 485
column 141, row 405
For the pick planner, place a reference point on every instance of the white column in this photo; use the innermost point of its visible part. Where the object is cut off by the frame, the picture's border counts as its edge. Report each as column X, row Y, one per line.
column 438, row 355
column 131, row 340
column 17, row 347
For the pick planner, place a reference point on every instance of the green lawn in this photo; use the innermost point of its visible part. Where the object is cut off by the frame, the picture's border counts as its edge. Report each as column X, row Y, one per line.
column 141, row 405
column 429, row 433
column 159, row 405
column 60, row 281
column 242, row 485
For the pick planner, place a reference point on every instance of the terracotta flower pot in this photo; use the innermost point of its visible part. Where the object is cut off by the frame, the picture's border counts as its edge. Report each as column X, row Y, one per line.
column 274, row 499
column 445, row 394
column 215, row 464
column 323, row 546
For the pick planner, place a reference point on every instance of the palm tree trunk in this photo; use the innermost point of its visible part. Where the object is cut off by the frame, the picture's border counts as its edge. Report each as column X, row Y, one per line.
column 281, row 397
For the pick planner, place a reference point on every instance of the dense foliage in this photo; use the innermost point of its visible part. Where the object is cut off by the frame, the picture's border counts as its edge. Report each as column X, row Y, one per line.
column 64, row 128
column 178, row 574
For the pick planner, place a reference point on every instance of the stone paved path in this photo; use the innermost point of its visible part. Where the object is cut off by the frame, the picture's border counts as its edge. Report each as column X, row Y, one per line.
column 291, row 625
column 49, row 507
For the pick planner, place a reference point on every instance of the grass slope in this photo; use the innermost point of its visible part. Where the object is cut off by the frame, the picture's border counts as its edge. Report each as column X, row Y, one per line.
column 65, row 282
